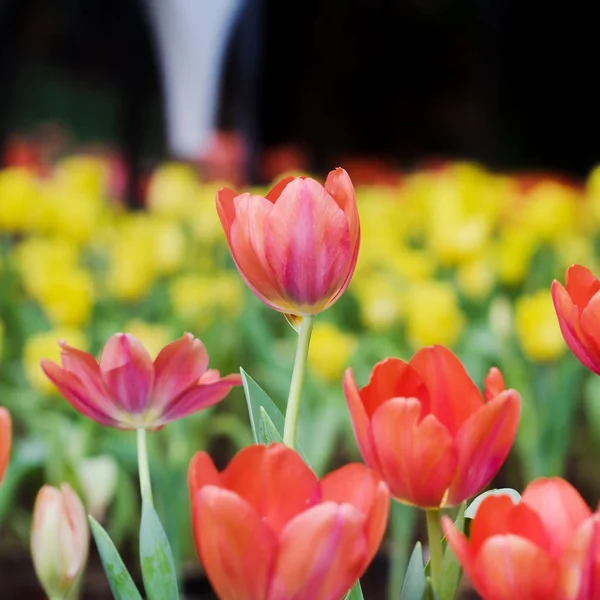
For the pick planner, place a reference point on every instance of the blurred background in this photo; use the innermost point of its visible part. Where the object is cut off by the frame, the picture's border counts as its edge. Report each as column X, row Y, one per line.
column 470, row 130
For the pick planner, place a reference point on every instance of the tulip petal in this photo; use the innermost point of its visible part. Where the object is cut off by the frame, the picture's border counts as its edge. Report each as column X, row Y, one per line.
column 418, row 458
column 393, row 378
column 513, row 568
column 321, row 554
column 580, row 563
column 360, row 421
column 276, row 190
column 196, row 398
column 590, row 329
column 247, row 245
column 73, row 390
column 498, row 515
column 274, row 480
column 356, row 485
column 461, row 548
column 568, row 321
column 339, row 186
column 237, row 549
column 307, row 244
column 483, row 443
column 5, row 440
column 581, row 285
column 202, row 472
column 493, row 384
column 177, row 367
column 559, row 506
column 127, row 372
column 452, row 394
column 226, row 210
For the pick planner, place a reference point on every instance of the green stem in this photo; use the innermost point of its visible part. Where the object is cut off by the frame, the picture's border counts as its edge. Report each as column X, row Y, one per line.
column 144, row 470
column 434, row 535
column 290, row 426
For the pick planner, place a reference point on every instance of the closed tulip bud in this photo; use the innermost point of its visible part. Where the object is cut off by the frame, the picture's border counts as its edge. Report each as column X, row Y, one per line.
column 59, row 539
column 296, row 247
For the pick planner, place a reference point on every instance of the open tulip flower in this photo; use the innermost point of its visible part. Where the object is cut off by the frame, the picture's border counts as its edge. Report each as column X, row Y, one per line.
column 578, row 309
column 128, row 390
column 5, row 440
column 546, row 547
column 297, row 247
column 425, row 428
column 266, row 529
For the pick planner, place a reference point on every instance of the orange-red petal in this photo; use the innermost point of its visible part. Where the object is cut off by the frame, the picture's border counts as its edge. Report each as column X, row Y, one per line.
column 236, row 547
column 5, row 440
column 321, row 554
column 453, row 396
column 483, row 443
column 274, row 480
column 417, row 457
column 581, row 285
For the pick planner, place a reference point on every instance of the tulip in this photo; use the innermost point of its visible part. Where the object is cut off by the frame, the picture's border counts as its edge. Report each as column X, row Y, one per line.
column 5, row 440
column 59, row 539
column 425, row 428
column 578, row 310
column 297, row 247
column 266, row 528
column 127, row 390
column 546, row 547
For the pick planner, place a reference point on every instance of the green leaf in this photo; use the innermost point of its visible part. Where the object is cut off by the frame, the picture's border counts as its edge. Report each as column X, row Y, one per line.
column 451, row 571
column 512, row 494
column 355, row 593
column 119, row 579
column 257, row 398
column 268, row 430
column 414, row 585
column 158, row 566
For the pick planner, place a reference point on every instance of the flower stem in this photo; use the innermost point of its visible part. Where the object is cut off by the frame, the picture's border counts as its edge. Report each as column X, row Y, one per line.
column 434, row 535
column 144, row 471
column 290, row 426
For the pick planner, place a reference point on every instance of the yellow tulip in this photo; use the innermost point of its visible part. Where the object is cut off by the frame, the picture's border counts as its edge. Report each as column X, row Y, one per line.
column 475, row 279
column 380, row 299
column 330, row 351
column 537, row 328
column 172, row 191
column 18, row 196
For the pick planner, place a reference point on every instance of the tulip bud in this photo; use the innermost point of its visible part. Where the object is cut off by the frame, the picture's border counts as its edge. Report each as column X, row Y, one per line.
column 59, row 539
column 98, row 478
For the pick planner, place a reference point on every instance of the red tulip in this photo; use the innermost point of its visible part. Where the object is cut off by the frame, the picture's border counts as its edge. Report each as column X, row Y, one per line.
column 297, row 247
column 127, row 390
column 5, row 440
column 425, row 428
column 578, row 310
column 546, row 547
column 266, row 529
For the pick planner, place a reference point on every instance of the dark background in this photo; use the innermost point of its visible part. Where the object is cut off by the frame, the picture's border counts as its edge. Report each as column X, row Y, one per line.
column 509, row 83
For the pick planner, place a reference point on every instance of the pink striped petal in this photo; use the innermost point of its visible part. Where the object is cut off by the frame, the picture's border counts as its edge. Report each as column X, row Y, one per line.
column 177, row 367
column 307, row 244
column 197, row 398
column 78, row 395
column 127, row 372
column 237, row 549
column 321, row 554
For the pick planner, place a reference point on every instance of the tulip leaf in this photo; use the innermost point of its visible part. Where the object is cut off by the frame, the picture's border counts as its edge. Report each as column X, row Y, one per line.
column 451, row 571
column 474, row 506
column 355, row 593
column 257, row 398
column 158, row 566
column 414, row 585
column 119, row 579
column 268, row 430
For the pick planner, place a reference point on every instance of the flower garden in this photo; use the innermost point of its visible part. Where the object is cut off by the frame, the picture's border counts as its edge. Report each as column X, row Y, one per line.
column 426, row 357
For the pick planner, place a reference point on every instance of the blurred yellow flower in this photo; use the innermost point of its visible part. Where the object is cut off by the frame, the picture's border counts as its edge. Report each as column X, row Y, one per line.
column 19, row 193
column 537, row 327
column 83, row 174
column 66, row 296
column 172, row 191
column 380, row 299
column 500, row 318
column 433, row 315
column 330, row 351
column 204, row 219
column 476, row 278
column 153, row 336
column 169, row 246
column 199, row 299
column 512, row 254
column 45, row 345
